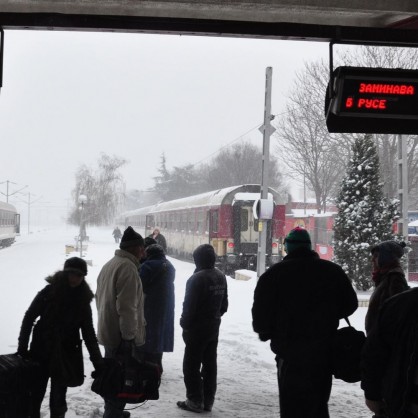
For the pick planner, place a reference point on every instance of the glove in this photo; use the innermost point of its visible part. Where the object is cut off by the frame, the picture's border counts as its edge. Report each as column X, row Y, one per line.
column 99, row 367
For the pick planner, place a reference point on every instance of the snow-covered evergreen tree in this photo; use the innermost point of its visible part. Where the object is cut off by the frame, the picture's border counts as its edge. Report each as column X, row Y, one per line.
column 365, row 217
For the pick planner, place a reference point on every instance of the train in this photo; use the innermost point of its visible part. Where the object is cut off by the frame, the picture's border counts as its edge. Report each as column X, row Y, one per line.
column 223, row 218
column 9, row 224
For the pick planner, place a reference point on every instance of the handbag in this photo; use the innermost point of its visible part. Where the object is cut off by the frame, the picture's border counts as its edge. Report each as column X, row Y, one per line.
column 127, row 379
column 347, row 345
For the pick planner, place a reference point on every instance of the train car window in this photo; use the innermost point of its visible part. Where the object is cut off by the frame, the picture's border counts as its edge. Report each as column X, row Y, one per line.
column 184, row 221
column 207, row 223
column 244, row 219
column 324, row 235
column 200, row 220
column 215, row 221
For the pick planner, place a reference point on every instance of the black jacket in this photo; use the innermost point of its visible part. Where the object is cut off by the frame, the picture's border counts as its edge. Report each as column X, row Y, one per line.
column 390, row 353
column 298, row 303
column 206, row 299
column 388, row 284
column 62, row 311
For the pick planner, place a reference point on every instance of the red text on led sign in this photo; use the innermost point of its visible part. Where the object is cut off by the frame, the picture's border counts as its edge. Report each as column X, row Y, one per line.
column 400, row 89
column 366, row 103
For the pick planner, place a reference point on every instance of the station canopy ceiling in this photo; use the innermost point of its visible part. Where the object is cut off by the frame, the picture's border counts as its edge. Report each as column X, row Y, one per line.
column 388, row 21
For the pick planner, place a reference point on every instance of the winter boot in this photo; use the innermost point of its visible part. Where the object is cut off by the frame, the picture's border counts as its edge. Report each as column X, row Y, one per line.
column 189, row 405
column 208, row 407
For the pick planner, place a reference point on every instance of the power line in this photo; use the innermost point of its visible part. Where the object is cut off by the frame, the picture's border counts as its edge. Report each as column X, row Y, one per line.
column 234, row 140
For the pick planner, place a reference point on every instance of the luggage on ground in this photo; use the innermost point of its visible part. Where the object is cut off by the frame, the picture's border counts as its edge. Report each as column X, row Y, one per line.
column 17, row 379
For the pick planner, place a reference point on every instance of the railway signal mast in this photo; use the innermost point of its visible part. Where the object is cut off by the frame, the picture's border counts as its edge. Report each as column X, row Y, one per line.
column 264, row 210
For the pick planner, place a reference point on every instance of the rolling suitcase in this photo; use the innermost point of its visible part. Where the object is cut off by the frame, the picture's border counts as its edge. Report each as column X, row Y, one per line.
column 17, row 379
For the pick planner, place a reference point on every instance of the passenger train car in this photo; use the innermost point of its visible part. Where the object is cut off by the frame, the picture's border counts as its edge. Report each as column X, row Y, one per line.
column 9, row 224
column 223, row 218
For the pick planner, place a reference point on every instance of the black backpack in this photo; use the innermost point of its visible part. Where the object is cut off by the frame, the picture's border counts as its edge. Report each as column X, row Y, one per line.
column 347, row 345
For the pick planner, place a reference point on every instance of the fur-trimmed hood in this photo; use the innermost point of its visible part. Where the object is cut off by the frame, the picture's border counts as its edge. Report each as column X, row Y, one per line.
column 61, row 290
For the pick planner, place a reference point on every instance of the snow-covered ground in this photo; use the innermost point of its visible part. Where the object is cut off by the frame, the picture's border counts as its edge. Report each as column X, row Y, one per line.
column 247, row 385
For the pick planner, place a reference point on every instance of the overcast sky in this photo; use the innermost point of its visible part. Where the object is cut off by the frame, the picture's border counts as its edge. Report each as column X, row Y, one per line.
column 69, row 96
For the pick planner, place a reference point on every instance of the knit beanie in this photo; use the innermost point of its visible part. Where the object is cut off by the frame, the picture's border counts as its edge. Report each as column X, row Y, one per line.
column 149, row 241
column 204, row 256
column 76, row 265
column 297, row 238
column 389, row 252
column 130, row 238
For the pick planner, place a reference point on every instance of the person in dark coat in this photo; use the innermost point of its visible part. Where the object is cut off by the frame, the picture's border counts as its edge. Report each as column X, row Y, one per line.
column 159, row 238
column 157, row 275
column 298, row 303
column 63, row 308
column 205, row 301
column 147, row 242
column 388, row 277
column 389, row 359
column 117, row 234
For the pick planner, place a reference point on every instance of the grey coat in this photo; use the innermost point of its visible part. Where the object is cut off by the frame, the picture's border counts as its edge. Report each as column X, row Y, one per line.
column 120, row 301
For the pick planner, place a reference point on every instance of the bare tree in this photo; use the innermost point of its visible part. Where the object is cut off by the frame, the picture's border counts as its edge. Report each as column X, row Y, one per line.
column 303, row 142
column 311, row 153
column 240, row 164
column 104, row 189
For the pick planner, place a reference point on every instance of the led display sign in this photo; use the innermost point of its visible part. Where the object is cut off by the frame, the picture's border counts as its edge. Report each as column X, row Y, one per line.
column 372, row 100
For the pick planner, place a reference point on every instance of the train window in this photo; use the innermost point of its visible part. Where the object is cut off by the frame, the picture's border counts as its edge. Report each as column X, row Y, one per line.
column 183, row 221
column 200, row 220
column 215, row 221
column 244, row 219
column 190, row 222
column 207, row 222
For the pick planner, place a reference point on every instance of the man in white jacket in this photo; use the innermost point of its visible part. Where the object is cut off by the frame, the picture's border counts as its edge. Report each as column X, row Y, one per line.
column 120, row 306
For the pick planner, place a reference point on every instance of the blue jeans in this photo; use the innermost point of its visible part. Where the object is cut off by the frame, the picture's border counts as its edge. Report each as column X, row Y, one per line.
column 113, row 408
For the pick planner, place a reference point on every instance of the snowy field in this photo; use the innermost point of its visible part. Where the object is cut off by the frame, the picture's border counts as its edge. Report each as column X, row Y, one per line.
column 247, row 385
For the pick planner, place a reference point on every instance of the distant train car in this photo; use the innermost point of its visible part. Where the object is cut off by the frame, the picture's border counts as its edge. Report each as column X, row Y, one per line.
column 223, row 218
column 9, row 224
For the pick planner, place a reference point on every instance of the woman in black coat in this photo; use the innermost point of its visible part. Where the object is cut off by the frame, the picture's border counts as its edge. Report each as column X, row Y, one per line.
column 157, row 275
column 63, row 308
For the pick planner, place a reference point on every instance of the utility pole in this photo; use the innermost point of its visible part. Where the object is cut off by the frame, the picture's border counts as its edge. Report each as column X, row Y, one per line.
column 7, row 189
column 266, row 130
column 403, row 190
